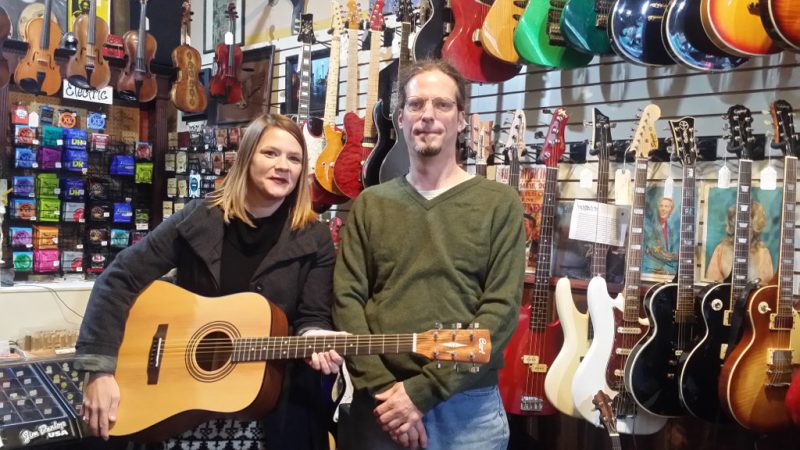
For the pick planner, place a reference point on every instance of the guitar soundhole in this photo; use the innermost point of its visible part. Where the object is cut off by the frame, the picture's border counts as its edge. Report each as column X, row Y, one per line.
column 213, row 351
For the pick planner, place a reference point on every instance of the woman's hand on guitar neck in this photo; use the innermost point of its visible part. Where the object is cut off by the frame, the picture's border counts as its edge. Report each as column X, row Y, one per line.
column 326, row 362
column 100, row 402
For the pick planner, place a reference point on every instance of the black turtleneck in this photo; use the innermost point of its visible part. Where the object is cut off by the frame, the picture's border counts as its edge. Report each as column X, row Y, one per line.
column 244, row 247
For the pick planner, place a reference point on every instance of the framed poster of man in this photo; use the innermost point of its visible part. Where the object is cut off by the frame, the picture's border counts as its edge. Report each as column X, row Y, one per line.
column 662, row 221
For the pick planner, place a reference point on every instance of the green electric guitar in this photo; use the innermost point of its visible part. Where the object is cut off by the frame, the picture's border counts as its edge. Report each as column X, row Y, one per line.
column 583, row 24
column 538, row 38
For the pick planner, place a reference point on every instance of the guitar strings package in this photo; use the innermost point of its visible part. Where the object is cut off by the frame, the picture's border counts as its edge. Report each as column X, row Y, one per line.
column 120, row 238
column 72, row 188
column 24, row 158
column 100, row 211
column 99, row 142
column 24, row 135
column 75, row 139
column 46, row 261
column 98, row 236
column 45, row 237
column 97, row 262
column 144, row 173
column 98, row 189
column 49, row 209
column 47, row 185
column 23, row 186
column 21, row 236
column 73, row 212
column 122, row 165
column 123, row 212
column 23, row 261
column 52, row 136
column 76, row 161
column 49, row 158
column 23, row 208
column 72, row 261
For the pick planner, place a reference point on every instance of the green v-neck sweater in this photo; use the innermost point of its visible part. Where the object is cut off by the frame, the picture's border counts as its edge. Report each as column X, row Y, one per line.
column 406, row 263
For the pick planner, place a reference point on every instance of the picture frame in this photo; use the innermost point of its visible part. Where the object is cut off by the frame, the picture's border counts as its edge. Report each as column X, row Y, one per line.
column 320, row 61
column 660, row 258
column 216, row 23
column 256, row 78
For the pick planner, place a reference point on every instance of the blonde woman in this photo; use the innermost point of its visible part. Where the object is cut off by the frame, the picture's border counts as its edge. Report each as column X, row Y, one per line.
column 760, row 260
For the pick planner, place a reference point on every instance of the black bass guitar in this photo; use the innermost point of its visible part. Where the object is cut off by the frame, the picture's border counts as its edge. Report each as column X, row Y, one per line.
column 435, row 18
column 716, row 303
column 654, row 366
column 635, row 32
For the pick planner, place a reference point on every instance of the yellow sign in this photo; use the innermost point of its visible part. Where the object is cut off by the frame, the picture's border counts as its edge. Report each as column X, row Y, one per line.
column 77, row 7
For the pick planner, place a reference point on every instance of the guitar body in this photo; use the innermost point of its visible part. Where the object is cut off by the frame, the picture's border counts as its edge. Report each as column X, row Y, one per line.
column 5, row 32
column 139, row 84
column 187, row 93
column 579, row 27
column 465, row 54
column 793, row 398
column 635, row 32
column 743, row 382
column 37, row 72
column 516, row 380
column 370, row 174
column 601, row 368
column 653, row 371
column 533, row 43
column 85, row 69
column 396, row 163
column 575, row 327
column 781, row 20
column 325, row 162
column 195, row 383
column 347, row 169
column 322, row 200
column 315, row 143
column 429, row 39
column 225, row 84
column 497, row 32
column 688, row 44
column 733, row 27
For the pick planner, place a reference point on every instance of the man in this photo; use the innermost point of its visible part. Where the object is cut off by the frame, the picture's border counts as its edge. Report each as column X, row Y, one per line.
column 436, row 245
column 663, row 257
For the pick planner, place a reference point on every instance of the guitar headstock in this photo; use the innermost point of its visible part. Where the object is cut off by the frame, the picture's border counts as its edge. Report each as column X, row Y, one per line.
column 683, row 141
column 602, row 402
column 353, row 15
column 554, row 145
column 337, row 19
column 186, row 13
column 740, row 121
column 306, row 33
column 645, row 139
column 405, row 11
column 515, row 142
column 469, row 345
column 376, row 17
column 601, row 136
column 783, row 121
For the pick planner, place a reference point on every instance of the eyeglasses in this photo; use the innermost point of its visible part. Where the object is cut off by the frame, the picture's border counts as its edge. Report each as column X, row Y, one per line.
column 440, row 104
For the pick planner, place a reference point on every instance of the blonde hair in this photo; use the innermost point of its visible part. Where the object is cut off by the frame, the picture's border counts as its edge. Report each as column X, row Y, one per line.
column 758, row 219
column 230, row 197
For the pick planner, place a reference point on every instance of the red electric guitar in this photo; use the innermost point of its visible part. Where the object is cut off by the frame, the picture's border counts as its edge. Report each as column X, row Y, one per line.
column 225, row 84
column 537, row 340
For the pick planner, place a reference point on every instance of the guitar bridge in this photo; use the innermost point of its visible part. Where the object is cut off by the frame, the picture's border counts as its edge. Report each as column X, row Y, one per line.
column 156, row 354
column 531, row 403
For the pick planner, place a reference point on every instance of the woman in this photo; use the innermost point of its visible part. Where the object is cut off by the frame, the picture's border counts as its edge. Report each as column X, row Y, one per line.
column 759, row 260
column 255, row 233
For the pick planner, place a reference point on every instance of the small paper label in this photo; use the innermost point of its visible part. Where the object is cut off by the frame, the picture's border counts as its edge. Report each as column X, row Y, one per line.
column 669, row 185
column 622, row 189
column 769, row 179
column 79, row 247
column 35, row 165
column 59, row 142
column 228, row 38
column 33, row 120
column 724, row 178
column 58, row 165
column 103, row 243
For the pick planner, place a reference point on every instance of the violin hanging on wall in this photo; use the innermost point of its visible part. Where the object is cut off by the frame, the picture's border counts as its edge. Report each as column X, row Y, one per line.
column 88, row 68
column 5, row 32
column 137, row 82
column 37, row 72
column 187, row 93
column 225, row 84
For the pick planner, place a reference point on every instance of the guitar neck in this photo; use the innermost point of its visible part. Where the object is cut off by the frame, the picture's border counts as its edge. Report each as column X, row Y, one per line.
column 45, row 37
column 685, row 304
column 352, row 71
column 372, row 83
column 402, row 62
column 540, row 311
column 142, row 37
column 786, row 265
column 332, row 93
column 633, row 255
column 305, row 84
column 599, row 251
column 741, row 235
column 616, row 444
column 93, row 26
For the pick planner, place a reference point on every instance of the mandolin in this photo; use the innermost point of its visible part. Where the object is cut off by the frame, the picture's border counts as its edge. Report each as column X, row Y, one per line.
column 429, row 39
column 137, row 83
column 5, row 33
column 88, row 68
column 536, row 340
column 755, row 378
column 37, row 72
column 616, row 322
column 225, row 85
column 188, row 359
column 466, row 55
column 584, row 24
column 187, row 93
column 735, row 27
column 781, row 19
column 497, row 32
column 539, row 40
column 635, row 32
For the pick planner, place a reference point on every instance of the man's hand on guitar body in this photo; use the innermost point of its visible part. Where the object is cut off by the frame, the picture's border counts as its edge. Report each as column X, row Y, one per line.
column 100, row 402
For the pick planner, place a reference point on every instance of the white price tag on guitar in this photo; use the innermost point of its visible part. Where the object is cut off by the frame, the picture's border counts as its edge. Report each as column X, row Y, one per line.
column 724, row 178
column 669, row 186
column 622, row 187
column 769, row 179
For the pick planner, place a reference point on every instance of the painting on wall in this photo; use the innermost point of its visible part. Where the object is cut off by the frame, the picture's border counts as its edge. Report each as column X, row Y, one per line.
column 320, row 60
column 218, row 22
column 662, row 222
column 256, row 79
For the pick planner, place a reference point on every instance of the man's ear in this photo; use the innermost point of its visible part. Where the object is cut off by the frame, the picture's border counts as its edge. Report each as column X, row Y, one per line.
column 462, row 121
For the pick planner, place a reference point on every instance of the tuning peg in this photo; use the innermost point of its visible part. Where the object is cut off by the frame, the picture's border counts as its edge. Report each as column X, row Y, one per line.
column 668, row 140
column 547, row 111
column 726, row 137
column 538, row 135
column 726, row 126
column 438, row 364
column 475, row 325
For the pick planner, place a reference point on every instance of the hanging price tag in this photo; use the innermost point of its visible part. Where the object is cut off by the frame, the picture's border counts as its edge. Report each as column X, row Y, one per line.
column 724, row 178
column 622, row 187
column 669, row 186
column 228, row 38
column 769, row 179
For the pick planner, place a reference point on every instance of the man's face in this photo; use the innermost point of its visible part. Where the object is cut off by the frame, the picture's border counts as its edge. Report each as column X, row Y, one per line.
column 432, row 129
column 665, row 208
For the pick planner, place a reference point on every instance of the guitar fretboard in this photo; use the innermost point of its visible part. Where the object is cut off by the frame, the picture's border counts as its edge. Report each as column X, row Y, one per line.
column 304, row 97
column 786, row 265
column 376, row 39
column 332, row 92
column 685, row 305
column 352, row 70
column 633, row 256
column 540, row 311
column 298, row 347
column 602, row 144
column 741, row 235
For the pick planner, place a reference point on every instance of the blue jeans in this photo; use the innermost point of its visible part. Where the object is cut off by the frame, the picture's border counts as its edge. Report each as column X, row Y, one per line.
column 469, row 420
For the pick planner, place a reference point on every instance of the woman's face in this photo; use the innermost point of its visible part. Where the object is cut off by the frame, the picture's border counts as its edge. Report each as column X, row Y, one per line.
column 275, row 167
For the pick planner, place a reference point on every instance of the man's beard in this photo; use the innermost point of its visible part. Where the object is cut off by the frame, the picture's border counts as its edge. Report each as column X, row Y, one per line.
column 427, row 150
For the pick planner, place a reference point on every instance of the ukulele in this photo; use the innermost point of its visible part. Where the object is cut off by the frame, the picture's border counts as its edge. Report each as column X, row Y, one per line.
column 584, row 24
column 361, row 132
column 5, row 33
column 429, row 39
column 88, row 68
column 187, row 94
column 688, row 44
column 497, row 32
column 602, row 403
column 755, row 377
column 616, row 322
column 37, row 72
column 636, row 31
column 720, row 303
column 225, row 85
column 466, row 55
column 538, row 37
column 534, row 345
column 780, row 19
column 735, row 26
column 137, row 82
column 185, row 360
column 653, row 368
column 574, row 324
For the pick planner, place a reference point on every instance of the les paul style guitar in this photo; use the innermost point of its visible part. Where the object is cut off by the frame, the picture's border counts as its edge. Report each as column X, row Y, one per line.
column 88, row 67
column 756, row 376
column 185, row 358
column 539, row 40
column 616, row 322
column 187, row 93
column 314, row 143
column 584, row 24
column 5, row 32
column 735, row 27
column 429, row 39
column 780, row 19
column 137, row 82
column 636, row 33
column 536, row 340
column 37, row 72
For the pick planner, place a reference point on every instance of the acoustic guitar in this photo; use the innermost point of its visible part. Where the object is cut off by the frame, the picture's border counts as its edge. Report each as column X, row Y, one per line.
column 636, row 32
column 735, row 26
column 88, row 68
column 185, row 358
column 37, row 72
column 539, row 40
column 756, row 376
column 187, row 93
column 781, row 19
column 584, row 24
column 5, row 33
column 497, row 32
column 137, row 82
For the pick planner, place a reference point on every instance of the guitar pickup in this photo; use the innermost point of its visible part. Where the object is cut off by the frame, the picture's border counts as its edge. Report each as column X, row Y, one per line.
column 629, row 330
column 622, row 351
column 532, row 361
column 780, row 322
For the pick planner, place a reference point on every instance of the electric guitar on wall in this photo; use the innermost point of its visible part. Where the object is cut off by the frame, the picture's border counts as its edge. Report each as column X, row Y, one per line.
column 636, row 31
column 536, row 340
column 756, row 376
column 584, row 24
column 735, row 27
column 497, row 32
column 616, row 322
column 779, row 18
column 717, row 303
column 185, row 360
column 306, row 37
column 429, row 39
column 538, row 37
column 653, row 369
column 574, row 324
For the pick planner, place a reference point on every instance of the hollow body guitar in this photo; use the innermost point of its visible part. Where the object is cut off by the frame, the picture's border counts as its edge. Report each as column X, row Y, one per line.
column 137, row 82
column 584, row 24
column 734, row 27
column 187, row 93
column 635, row 32
column 88, row 67
column 225, row 84
column 780, row 19
column 538, row 39
column 37, row 72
